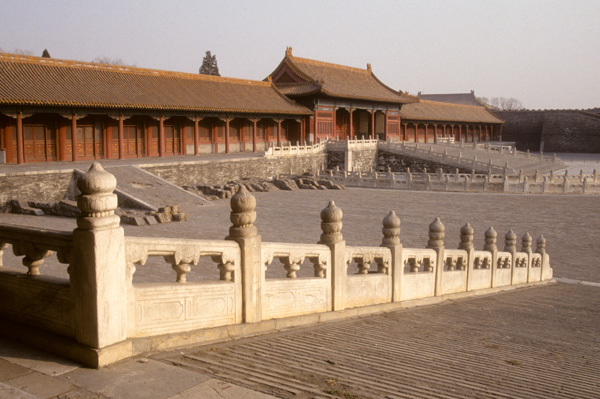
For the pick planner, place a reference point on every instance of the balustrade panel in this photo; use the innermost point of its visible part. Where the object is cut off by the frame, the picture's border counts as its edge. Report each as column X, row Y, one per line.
column 369, row 279
column 419, row 273
column 182, row 304
column 482, row 273
column 454, row 276
column 296, row 279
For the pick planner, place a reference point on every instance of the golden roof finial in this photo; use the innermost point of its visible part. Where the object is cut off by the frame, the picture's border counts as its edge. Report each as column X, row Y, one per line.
column 288, row 51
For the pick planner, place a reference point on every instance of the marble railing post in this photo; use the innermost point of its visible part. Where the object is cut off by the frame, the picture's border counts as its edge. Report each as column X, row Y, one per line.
column 541, row 249
column 510, row 245
column 97, row 268
column 391, row 240
column 436, row 242
column 331, row 225
column 243, row 231
column 466, row 244
column 526, row 247
column 490, row 246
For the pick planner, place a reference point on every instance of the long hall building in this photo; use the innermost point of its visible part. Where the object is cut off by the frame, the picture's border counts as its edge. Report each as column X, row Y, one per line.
column 59, row 110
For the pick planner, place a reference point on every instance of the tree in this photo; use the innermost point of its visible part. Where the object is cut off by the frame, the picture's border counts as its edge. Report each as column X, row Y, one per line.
column 46, row 54
column 209, row 65
column 110, row 61
column 502, row 103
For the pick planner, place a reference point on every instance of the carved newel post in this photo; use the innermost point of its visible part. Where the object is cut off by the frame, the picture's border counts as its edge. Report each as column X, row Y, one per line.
column 245, row 234
column 510, row 245
column 437, row 232
column 466, row 244
column 391, row 240
column 490, row 245
column 331, row 225
column 526, row 241
column 541, row 249
column 97, row 268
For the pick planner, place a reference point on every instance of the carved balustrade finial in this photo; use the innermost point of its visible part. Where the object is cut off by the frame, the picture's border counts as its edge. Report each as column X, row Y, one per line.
column 490, row 240
column 526, row 243
column 331, row 224
column 391, row 229
column 510, row 241
column 466, row 237
column 242, row 214
column 97, row 201
column 541, row 245
column 436, row 234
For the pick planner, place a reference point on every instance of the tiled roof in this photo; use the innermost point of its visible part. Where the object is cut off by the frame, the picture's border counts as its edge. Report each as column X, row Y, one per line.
column 446, row 112
column 454, row 98
column 295, row 89
column 342, row 81
column 36, row 81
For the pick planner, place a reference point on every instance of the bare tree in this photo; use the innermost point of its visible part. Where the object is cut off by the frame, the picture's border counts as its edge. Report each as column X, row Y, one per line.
column 22, row 52
column 110, row 61
column 502, row 103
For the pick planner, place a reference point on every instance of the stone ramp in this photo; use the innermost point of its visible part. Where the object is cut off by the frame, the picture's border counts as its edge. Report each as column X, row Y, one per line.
column 521, row 162
column 145, row 188
column 532, row 343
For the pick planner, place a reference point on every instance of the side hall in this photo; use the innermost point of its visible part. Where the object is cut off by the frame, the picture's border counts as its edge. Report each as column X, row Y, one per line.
column 56, row 110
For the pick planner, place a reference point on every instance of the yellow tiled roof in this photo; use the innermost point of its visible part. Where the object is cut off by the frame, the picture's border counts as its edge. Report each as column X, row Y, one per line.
column 345, row 82
column 36, row 81
column 446, row 112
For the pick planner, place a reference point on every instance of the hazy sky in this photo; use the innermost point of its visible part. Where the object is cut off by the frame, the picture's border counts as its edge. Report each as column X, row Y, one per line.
column 545, row 53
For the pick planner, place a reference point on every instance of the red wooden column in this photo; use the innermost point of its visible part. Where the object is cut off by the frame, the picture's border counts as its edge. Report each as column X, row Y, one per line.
column 20, row 153
column 351, row 132
column 227, row 135
column 404, row 126
column 385, row 127
column 121, row 139
column 254, row 121
column 316, row 126
column 278, row 132
column 74, row 135
column 161, row 136
column 373, row 124
column 196, row 139
column 243, row 136
column 334, row 120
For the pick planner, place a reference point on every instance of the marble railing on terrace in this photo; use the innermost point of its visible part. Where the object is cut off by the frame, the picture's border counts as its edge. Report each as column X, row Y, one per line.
column 100, row 315
column 537, row 183
column 298, row 149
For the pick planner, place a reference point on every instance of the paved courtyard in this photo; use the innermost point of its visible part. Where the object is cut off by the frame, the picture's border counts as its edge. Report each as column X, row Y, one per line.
column 538, row 342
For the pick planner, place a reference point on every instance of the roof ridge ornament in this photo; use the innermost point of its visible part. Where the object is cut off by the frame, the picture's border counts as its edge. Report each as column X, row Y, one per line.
column 369, row 67
column 288, row 51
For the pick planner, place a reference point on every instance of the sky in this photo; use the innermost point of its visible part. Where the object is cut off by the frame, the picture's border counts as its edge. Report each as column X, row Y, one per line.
column 545, row 53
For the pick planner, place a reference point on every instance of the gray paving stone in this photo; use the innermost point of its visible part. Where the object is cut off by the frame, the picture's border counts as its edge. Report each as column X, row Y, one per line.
column 217, row 389
column 133, row 379
column 40, row 385
column 34, row 359
column 9, row 392
column 9, row 370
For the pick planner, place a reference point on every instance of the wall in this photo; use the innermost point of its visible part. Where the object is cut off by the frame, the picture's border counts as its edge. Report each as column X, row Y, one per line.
column 222, row 171
column 571, row 132
column 560, row 130
column 364, row 160
column 400, row 163
column 40, row 186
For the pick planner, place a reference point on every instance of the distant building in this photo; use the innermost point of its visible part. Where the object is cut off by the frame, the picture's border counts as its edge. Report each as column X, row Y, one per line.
column 454, row 98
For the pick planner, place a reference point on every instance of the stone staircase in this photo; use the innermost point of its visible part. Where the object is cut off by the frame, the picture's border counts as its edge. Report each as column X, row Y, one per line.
column 528, row 163
column 139, row 189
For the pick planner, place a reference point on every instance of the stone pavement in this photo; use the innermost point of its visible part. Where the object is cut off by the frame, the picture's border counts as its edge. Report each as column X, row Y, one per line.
column 540, row 342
